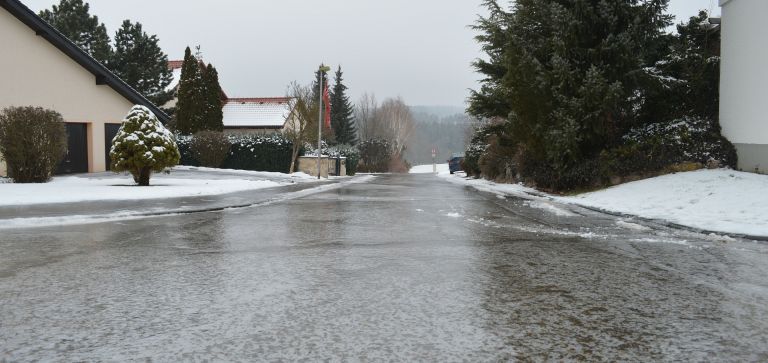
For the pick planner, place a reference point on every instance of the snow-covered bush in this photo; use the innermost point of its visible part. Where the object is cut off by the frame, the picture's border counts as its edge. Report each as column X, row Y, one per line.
column 33, row 142
column 142, row 146
column 660, row 146
column 210, row 148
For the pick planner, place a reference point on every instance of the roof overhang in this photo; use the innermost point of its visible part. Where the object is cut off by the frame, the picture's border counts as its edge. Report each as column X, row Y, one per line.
column 102, row 75
column 723, row 2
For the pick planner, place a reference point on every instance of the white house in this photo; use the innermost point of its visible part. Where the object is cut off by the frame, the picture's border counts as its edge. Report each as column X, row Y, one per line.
column 256, row 115
column 40, row 67
column 744, row 81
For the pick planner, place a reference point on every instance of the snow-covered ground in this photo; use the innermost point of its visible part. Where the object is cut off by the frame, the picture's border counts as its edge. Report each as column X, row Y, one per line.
column 78, row 189
column 182, row 182
column 427, row 169
column 719, row 200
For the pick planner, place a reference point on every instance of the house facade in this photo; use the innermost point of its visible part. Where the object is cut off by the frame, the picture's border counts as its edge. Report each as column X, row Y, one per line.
column 42, row 68
column 744, row 81
column 256, row 115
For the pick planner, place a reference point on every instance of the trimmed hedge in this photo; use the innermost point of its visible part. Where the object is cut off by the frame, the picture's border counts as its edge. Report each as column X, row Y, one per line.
column 248, row 152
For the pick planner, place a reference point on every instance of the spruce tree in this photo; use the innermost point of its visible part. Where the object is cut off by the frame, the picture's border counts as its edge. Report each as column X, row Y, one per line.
column 72, row 18
column 142, row 146
column 342, row 120
column 139, row 61
column 191, row 96
column 214, row 118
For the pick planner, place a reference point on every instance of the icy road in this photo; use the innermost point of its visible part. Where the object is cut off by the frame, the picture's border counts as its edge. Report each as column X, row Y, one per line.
column 404, row 268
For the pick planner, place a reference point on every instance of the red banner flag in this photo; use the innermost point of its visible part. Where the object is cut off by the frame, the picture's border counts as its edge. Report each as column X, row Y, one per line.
column 327, row 101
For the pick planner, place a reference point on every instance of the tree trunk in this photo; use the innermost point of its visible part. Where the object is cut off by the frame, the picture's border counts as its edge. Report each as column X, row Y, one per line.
column 143, row 177
column 294, row 155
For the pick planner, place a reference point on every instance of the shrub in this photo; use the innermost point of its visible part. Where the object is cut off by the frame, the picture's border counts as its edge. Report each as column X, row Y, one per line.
column 33, row 142
column 478, row 146
column 660, row 146
column 247, row 152
column 210, row 148
column 375, row 156
column 142, row 146
column 498, row 161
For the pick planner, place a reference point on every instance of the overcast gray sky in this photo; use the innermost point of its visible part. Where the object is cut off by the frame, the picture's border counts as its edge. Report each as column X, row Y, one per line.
column 418, row 49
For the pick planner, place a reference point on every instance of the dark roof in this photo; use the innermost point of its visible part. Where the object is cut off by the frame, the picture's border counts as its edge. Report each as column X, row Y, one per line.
column 103, row 75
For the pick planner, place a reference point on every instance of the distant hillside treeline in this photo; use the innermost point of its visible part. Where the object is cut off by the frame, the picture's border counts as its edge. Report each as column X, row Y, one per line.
column 445, row 128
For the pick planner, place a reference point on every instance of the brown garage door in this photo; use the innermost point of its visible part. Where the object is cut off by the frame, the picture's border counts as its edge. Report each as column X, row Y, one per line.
column 76, row 159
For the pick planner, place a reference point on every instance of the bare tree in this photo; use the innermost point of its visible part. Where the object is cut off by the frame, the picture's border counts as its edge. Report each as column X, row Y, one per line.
column 365, row 117
column 303, row 116
column 397, row 122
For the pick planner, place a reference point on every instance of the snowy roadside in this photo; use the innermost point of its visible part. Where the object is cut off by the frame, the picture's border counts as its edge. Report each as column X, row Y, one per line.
column 183, row 182
column 722, row 201
column 169, row 207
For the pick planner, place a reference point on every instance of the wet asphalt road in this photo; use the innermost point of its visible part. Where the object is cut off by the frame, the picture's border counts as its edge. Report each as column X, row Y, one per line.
column 401, row 268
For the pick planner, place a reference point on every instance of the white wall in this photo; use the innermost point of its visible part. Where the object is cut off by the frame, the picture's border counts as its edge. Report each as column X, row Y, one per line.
column 744, row 80
column 35, row 73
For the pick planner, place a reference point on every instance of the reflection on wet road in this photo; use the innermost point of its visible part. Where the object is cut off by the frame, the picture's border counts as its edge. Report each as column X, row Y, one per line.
column 400, row 268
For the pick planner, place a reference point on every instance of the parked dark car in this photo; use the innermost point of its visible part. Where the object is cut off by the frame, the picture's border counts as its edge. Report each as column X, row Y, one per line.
column 454, row 164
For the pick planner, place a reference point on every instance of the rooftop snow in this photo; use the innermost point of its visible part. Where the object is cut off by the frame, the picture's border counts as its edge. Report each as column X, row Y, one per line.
column 256, row 112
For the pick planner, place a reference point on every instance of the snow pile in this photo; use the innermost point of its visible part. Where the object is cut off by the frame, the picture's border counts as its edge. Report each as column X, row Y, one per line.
column 427, row 169
column 76, row 189
column 715, row 200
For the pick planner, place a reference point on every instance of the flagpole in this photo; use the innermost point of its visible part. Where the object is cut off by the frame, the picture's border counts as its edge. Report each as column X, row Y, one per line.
column 320, row 121
column 323, row 69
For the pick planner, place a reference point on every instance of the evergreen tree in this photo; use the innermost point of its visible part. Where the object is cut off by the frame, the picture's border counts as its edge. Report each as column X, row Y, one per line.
column 190, row 108
column 72, row 18
column 142, row 146
column 569, row 74
column 214, row 118
column 328, row 135
column 139, row 61
column 492, row 98
column 686, row 80
column 316, row 84
column 342, row 113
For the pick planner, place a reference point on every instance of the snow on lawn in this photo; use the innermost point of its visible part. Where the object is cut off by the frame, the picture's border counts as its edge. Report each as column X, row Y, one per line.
column 76, row 189
column 263, row 174
column 715, row 200
column 427, row 169
column 721, row 200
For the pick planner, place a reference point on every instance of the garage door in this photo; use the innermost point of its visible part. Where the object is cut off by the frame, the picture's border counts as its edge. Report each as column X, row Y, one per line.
column 110, row 130
column 76, row 159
